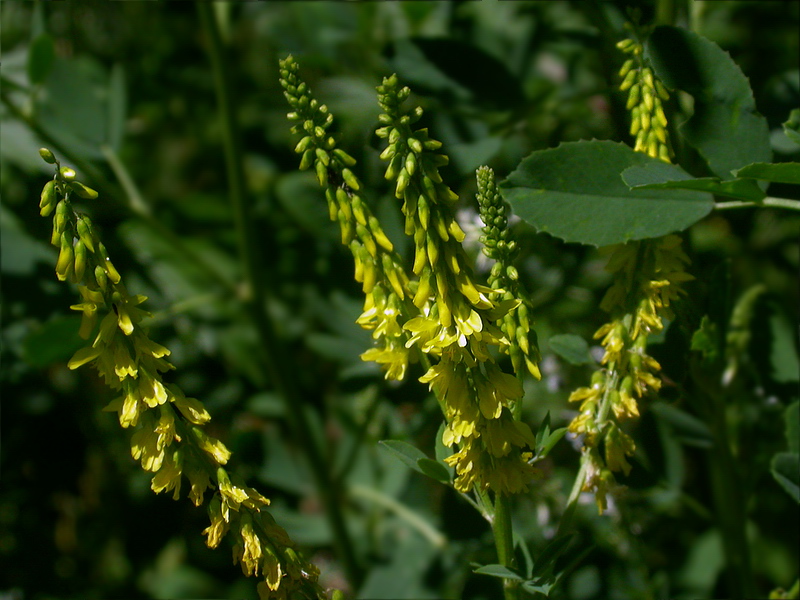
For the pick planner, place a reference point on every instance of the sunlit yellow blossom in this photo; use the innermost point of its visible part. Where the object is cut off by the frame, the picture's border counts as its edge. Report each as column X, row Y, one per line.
column 151, row 390
column 191, row 408
column 250, row 553
column 147, row 444
column 213, row 446
column 218, row 527
column 200, row 482
column 272, row 570
column 168, row 476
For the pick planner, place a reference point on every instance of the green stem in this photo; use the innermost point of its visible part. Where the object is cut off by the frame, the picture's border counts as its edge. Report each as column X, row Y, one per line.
column 727, row 491
column 504, row 541
column 768, row 201
column 729, row 502
column 437, row 539
column 278, row 370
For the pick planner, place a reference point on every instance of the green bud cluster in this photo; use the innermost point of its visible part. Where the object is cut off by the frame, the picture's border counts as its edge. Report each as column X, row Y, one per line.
column 82, row 258
column 646, row 95
column 377, row 266
column 504, row 278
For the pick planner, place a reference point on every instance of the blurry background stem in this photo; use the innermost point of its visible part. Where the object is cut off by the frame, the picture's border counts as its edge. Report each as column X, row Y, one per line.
column 329, row 490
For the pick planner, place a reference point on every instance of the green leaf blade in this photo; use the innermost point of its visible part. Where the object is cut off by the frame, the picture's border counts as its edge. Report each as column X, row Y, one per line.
column 658, row 177
column 498, row 571
column 788, row 172
column 573, row 348
column 725, row 128
column 575, row 192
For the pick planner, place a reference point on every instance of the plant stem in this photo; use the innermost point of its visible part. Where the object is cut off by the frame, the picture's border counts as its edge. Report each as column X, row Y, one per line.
column 279, row 372
column 768, row 201
column 504, row 541
column 729, row 501
column 727, row 491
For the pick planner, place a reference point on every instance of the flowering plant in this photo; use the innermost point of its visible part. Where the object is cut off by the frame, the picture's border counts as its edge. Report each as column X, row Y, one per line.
column 428, row 376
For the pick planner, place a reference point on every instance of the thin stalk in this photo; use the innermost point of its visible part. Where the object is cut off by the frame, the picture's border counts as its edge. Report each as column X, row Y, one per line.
column 768, row 201
column 279, row 372
column 729, row 504
column 437, row 539
column 504, row 541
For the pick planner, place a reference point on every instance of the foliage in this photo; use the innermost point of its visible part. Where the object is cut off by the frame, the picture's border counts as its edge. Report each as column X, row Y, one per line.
column 671, row 143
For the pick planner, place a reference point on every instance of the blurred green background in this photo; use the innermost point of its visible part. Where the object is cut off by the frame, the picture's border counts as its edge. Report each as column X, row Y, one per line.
column 123, row 91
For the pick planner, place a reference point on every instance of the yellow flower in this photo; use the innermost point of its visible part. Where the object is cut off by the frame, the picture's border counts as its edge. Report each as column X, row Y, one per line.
column 168, row 476
column 200, row 482
column 219, row 525
column 250, row 553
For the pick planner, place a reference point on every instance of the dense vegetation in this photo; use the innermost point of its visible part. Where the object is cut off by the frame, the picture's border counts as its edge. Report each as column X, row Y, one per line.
column 176, row 114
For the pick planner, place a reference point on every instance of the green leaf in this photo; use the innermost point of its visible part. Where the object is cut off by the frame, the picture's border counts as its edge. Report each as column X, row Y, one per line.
column 415, row 458
column 725, row 128
column 788, row 172
column 786, row 471
column 572, row 348
column 538, row 588
column 792, row 126
column 544, row 430
column 575, row 192
column 706, row 339
column 687, row 428
column 551, row 441
column 433, row 469
column 792, row 417
column 498, row 571
column 657, row 176
column 40, row 58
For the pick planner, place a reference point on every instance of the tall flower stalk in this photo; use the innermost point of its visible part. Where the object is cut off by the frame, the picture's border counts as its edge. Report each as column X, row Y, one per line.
column 437, row 313
column 456, row 325
column 648, row 275
column 169, row 439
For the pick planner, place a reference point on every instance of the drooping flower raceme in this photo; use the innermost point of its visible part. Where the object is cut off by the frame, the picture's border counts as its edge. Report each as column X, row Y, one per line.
column 168, row 439
column 377, row 266
column 648, row 275
column 436, row 312
column 456, row 324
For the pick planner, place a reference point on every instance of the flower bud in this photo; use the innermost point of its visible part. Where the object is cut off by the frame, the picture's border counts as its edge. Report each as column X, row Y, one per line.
column 101, row 278
column 47, row 156
column 82, row 190
column 48, row 199
column 67, row 173
column 84, row 227
column 65, row 258
column 80, row 259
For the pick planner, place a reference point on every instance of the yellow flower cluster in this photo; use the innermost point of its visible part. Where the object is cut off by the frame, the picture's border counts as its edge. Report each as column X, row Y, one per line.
column 645, row 97
column 168, row 440
column 377, row 265
column 647, row 278
column 504, row 278
column 648, row 275
column 456, row 320
column 443, row 314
